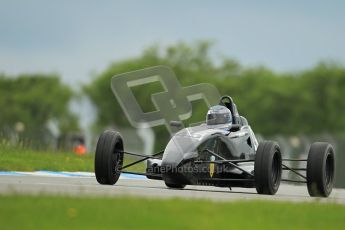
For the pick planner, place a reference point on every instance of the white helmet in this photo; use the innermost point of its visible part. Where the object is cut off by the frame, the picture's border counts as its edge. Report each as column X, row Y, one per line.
column 218, row 115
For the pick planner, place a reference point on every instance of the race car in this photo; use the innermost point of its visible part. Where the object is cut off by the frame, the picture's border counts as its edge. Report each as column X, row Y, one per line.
column 222, row 152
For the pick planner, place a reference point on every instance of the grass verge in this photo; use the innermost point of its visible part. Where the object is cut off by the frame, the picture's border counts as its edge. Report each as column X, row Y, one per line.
column 25, row 159
column 56, row 212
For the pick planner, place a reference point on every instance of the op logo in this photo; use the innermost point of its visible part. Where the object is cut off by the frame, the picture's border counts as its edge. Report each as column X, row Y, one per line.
column 172, row 104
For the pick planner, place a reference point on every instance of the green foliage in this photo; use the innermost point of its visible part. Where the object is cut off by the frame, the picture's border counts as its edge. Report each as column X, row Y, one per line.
column 306, row 102
column 58, row 212
column 29, row 102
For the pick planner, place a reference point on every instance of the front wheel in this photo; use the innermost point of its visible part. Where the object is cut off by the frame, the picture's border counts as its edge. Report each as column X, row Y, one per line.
column 109, row 157
column 175, row 186
column 267, row 168
column 320, row 169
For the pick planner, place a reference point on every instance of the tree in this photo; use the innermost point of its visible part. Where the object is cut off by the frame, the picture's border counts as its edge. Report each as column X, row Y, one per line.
column 28, row 103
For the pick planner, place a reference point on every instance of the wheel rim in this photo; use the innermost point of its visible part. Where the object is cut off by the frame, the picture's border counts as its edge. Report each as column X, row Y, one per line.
column 117, row 158
column 276, row 170
column 329, row 171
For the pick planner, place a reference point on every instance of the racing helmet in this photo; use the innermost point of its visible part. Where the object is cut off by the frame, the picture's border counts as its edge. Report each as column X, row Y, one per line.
column 218, row 115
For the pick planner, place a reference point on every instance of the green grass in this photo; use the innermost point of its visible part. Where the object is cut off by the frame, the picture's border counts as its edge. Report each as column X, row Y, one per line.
column 17, row 158
column 25, row 159
column 52, row 212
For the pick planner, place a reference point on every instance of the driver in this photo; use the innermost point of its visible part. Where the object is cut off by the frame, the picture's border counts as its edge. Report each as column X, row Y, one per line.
column 218, row 115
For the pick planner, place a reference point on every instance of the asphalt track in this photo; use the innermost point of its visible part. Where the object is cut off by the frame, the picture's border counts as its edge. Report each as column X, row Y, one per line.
column 88, row 186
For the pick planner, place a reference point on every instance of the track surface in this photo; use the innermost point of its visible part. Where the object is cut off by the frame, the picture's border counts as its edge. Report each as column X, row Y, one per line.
column 88, row 186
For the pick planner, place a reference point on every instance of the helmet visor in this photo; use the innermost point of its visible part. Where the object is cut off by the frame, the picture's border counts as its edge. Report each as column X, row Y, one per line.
column 218, row 118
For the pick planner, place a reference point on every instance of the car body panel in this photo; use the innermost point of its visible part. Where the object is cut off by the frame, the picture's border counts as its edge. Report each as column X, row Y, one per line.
column 191, row 144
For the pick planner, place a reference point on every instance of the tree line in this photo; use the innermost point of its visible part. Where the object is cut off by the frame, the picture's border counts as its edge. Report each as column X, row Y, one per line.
column 292, row 103
column 303, row 102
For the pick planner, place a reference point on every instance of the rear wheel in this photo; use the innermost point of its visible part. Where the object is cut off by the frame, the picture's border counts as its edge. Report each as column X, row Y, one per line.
column 109, row 157
column 320, row 169
column 267, row 168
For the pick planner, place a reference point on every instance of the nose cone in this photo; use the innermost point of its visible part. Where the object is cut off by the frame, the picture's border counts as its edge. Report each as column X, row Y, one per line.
column 178, row 149
column 179, row 145
column 169, row 169
column 172, row 158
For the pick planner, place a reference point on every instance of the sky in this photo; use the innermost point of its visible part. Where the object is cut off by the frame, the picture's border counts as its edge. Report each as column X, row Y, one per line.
column 78, row 39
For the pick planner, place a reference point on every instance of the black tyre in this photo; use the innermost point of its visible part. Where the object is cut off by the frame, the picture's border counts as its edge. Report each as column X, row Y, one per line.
column 109, row 157
column 176, row 186
column 320, row 169
column 268, row 168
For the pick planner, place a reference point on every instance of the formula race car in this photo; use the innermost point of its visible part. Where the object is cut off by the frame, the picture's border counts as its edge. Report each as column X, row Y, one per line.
column 221, row 152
